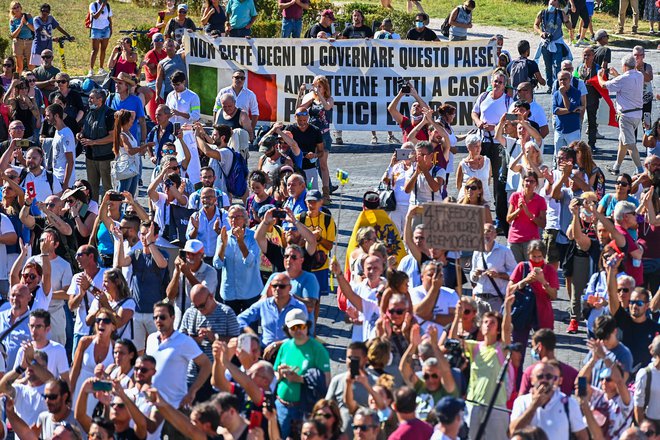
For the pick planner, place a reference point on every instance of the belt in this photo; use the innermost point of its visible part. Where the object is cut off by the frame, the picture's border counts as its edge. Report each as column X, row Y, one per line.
column 288, row 404
column 25, row 39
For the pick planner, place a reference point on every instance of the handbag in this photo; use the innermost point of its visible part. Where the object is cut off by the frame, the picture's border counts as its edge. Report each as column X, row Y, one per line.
column 123, row 168
column 386, row 197
column 523, row 311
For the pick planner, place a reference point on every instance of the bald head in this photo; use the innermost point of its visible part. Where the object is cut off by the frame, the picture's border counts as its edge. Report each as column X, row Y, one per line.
column 200, row 296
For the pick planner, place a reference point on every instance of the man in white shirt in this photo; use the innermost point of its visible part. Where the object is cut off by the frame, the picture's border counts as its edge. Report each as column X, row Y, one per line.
column 28, row 395
column 548, row 408
column 433, row 304
column 183, row 102
column 173, row 352
column 64, row 147
column 45, row 183
column 424, row 179
column 40, row 325
column 245, row 98
column 537, row 113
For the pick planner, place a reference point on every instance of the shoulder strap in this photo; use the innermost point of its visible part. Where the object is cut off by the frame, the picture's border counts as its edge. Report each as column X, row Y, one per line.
column 647, row 388
column 12, row 327
column 568, row 414
column 492, row 281
column 22, row 176
column 326, row 220
column 303, row 217
column 49, row 178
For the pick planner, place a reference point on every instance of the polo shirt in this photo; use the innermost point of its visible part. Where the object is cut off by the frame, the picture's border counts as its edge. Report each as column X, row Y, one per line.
column 205, row 232
column 245, row 100
column 306, row 285
column 628, row 88
column 552, row 417
column 186, row 102
column 172, row 359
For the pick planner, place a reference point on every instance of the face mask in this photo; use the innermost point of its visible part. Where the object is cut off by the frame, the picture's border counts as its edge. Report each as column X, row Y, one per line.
column 92, row 106
column 585, row 213
column 534, row 264
column 419, row 24
column 551, row 8
column 417, row 118
column 384, row 414
column 536, row 357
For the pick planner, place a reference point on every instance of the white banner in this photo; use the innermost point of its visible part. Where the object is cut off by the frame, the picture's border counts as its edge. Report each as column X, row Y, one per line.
column 364, row 75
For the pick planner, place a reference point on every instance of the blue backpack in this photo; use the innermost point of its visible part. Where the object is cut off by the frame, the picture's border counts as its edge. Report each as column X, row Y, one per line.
column 236, row 179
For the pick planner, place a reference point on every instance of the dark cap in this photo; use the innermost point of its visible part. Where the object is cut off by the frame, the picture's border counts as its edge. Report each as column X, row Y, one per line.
column 314, row 195
column 448, row 408
column 328, row 13
column 267, row 143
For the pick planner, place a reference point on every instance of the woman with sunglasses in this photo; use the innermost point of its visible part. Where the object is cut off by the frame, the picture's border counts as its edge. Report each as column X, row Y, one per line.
column 115, row 296
column 474, row 195
column 622, row 187
column 126, row 148
column 73, row 104
column 92, row 351
column 33, row 274
column 176, row 27
column 124, row 58
column 314, row 429
column 22, row 107
column 474, row 165
column 327, row 412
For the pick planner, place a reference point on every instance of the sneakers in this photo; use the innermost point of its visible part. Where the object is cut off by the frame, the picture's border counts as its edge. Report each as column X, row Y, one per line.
column 392, row 140
column 612, row 169
column 572, row 327
column 374, row 140
column 339, row 141
column 90, row 72
column 581, row 43
column 634, row 29
column 102, row 71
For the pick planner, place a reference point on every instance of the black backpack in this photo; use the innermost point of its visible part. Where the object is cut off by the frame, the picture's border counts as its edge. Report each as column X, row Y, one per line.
column 519, row 73
column 49, row 177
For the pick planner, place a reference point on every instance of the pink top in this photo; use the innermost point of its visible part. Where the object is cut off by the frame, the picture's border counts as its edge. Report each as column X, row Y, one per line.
column 125, row 66
column 544, row 314
column 523, row 229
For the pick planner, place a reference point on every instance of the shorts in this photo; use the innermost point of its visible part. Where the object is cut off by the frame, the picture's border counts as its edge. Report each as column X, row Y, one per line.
column 143, row 326
column 627, row 127
column 35, row 59
column 554, row 251
column 322, row 278
column 101, row 34
column 590, row 8
column 21, row 48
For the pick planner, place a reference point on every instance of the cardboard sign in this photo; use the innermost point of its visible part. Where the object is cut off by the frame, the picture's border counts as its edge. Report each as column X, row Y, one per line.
column 454, row 227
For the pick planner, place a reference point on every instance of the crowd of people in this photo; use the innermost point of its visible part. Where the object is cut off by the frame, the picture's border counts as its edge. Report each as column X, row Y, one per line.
column 108, row 299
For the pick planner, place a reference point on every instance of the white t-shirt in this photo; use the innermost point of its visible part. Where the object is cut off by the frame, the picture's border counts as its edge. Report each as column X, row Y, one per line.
column 102, row 21
column 447, row 298
column 172, row 359
column 422, row 192
column 58, row 363
column 5, row 264
column 224, row 165
column 41, row 186
column 41, row 299
column 552, row 418
column 60, row 277
column 537, row 113
column 29, row 402
column 63, row 142
column 491, row 110
column 146, row 407
column 129, row 304
column 80, row 327
column 653, row 410
column 161, row 214
column 397, row 176
column 371, row 313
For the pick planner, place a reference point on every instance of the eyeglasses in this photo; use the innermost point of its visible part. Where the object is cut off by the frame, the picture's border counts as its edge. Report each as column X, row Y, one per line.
column 298, row 327
column 396, row 311
column 621, row 183
column 29, row 276
column 104, row 320
column 292, row 256
column 471, row 187
column 623, row 289
column 546, row 376
column 324, row 415
column 62, row 81
column 50, row 396
column 362, row 427
column 117, row 405
column 428, row 376
column 160, row 317
column 638, row 303
column 280, row 286
column 80, row 254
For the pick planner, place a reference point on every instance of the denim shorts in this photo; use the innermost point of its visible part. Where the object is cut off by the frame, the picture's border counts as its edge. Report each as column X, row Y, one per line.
column 101, row 34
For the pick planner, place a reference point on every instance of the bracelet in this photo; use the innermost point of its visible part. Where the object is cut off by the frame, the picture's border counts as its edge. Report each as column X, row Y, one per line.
column 19, row 370
column 149, row 244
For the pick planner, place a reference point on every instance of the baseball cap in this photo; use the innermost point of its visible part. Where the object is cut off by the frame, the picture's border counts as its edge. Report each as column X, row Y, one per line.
column 267, row 143
column 264, row 209
column 183, row 7
column 295, row 317
column 157, row 37
column 601, row 33
column 328, row 13
column 193, row 246
column 314, row 195
column 448, row 408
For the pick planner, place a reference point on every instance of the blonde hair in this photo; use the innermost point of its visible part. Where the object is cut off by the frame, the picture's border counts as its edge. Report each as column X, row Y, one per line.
column 322, row 80
column 11, row 6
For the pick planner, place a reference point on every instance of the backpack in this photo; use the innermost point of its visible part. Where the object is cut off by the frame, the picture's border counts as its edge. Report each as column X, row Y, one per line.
column 519, row 72
column 236, row 179
column 49, row 177
column 444, row 27
column 88, row 17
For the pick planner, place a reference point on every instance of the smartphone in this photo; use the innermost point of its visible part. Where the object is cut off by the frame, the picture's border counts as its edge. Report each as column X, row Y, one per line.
column 183, row 254
column 269, row 400
column 511, row 117
column 83, row 209
column 279, row 213
column 354, row 366
column 31, row 190
column 582, row 386
column 246, row 345
column 116, row 197
column 256, row 418
column 579, row 202
column 404, row 153
column 102, row 385
column 23, row 143
column 405, row 89
column 177, row 128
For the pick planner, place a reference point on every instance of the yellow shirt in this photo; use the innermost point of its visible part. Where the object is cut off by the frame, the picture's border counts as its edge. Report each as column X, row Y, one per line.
column 319, row 224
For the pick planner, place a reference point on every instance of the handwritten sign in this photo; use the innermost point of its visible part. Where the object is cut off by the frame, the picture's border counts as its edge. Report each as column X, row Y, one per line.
column 454, row 227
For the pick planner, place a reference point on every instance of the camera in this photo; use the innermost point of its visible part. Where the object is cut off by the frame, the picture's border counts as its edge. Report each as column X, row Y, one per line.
column 279, row 213
column 454, row 352
column 405, row 85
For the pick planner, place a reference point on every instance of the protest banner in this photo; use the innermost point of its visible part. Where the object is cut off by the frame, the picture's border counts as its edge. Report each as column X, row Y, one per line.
column 454, row 227
column 364, row 75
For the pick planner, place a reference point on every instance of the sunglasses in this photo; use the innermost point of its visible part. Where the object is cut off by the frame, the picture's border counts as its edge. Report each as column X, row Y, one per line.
column 32, row 80
column 607, row 379
column 143, row 370
column 650, row 433
column 29, row 276
column 623, row 289
column 104, row 320
column 280, row 286
column 298, row 327
column 8, row 65
column 310, row 433
column 18, row 127
column 46, row 57
column 62, row 81
column 396, row 311
column 472, row 187
column 240, row 78
column 160, row 317
column 302, row 114
column 292, row 256
column 638, row 303
column 428, row 376
column 362, row 427
column 324, row 415
column 497, row 81
column 621, row 183
column 50, row 396
column 80, row 254
column 546, row 376
column 468, row 311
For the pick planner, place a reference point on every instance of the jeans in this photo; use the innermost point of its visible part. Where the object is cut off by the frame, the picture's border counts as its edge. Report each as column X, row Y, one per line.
column 240, row 32
column 651, row 273
column 287, row 414
column 291, row 28
column 129, row 185
column 552, row 61
column 579, row 281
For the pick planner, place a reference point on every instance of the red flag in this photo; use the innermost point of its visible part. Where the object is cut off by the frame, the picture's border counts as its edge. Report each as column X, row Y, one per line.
column 593, row 81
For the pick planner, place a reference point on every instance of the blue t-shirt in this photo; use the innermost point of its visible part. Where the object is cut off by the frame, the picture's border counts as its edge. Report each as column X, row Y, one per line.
column 609, row 201
column 147, row 281
column 26, row 33
column 240, row 12
column 132, row 103
column 43, row 34
column 570, row 122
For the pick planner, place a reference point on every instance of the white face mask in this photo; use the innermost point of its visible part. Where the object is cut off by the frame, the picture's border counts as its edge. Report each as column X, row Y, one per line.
column 92, row 106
